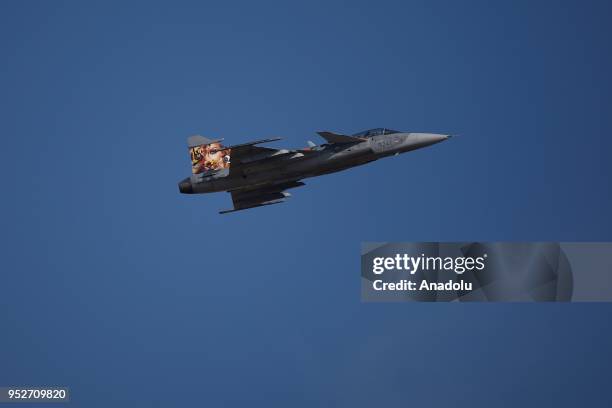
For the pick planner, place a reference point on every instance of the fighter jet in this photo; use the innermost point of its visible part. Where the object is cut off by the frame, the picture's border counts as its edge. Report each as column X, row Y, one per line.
column 256, row 176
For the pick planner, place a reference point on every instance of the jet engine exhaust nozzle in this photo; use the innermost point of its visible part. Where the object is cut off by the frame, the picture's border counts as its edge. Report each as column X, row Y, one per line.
column 185, row 186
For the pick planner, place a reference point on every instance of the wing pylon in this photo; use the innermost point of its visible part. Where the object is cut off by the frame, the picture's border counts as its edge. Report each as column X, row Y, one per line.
column 260, row 196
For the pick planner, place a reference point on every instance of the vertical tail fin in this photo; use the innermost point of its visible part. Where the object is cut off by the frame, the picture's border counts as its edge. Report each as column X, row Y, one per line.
column 207, row 155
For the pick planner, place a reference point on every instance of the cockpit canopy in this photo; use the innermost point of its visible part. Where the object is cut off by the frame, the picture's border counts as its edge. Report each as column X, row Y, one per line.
column 375, row 132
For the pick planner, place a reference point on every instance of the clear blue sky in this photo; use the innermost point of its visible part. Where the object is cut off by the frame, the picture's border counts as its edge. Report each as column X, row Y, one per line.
column 133, row 295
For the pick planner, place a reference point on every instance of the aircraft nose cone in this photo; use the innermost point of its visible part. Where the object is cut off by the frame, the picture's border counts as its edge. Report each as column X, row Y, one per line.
column 185, row 186
column 428, row 139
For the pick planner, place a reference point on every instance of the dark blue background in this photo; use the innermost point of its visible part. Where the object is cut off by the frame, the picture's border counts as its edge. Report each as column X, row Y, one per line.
column 131, row 294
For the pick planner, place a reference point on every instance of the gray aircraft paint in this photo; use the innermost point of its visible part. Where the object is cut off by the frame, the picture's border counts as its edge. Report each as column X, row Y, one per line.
column 261, row 174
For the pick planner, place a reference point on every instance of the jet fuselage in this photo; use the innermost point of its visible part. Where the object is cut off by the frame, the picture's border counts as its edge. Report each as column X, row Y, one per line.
column 325, row 159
